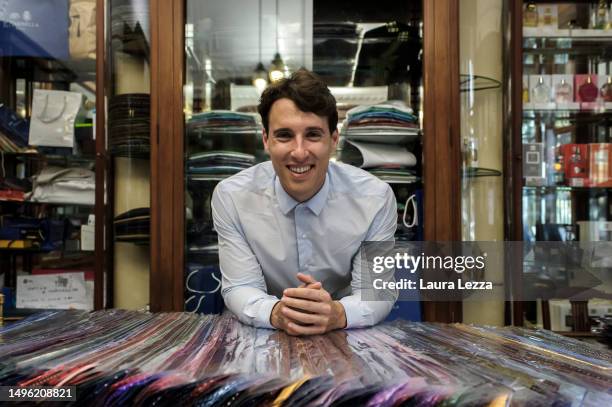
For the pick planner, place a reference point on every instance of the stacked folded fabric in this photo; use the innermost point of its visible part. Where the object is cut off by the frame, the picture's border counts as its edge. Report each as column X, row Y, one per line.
column 14, row 189
column 383, row 123
column 219, row 162
column 225, row 134
column 223, row 122
column 375, row 137
column 133, row 226
column 120, row 357
column 73, row 185
column 129, row 124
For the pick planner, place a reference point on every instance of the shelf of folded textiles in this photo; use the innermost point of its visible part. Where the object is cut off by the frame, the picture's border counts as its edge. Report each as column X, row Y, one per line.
column 596, row 107
column 477, row 172
column 207, row 177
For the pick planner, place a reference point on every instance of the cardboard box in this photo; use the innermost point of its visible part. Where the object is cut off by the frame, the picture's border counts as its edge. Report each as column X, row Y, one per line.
column 576, row 161
column 533, row 164
column 600, row 168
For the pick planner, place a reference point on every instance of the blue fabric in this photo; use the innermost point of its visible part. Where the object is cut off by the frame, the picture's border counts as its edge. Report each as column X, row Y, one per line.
column 34, row 28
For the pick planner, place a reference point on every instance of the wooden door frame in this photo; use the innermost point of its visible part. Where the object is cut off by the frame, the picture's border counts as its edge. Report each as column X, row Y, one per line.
column 167, row 149
column 441, row 138
column 441, row 145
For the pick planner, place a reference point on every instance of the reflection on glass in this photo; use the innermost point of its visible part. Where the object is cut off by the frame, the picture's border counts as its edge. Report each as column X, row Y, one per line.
column 366, row 57
column 129, row 146
column 574, row 138
column 47, row 152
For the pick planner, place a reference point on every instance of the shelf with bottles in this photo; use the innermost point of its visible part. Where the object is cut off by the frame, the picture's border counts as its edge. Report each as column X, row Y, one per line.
column 587, row 165
column 567, row 33
column 579, row 92
column 567, row 19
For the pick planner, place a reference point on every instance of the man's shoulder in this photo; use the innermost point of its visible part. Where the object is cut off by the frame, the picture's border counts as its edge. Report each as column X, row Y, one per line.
column 254, row 179
column 348, row 179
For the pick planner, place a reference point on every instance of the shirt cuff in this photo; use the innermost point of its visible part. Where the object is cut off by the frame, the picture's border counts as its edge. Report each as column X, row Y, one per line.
column 357, row 313
column 261, row 317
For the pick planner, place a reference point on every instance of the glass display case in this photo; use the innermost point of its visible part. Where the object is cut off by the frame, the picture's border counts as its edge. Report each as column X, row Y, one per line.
column 129, row 150
column 482, row 206
column 48, row 189
column 566, row 140
column 368, row 54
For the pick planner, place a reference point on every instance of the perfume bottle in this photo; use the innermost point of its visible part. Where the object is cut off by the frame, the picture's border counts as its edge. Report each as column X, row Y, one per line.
column 563, row 92
column 602, row 16
column 541, row 92
column 530, row 15
column 588, row 91
column 606, row 90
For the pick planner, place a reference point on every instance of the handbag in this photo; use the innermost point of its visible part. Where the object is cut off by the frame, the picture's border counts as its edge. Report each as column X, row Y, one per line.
column 53, row 116
column 82, row 31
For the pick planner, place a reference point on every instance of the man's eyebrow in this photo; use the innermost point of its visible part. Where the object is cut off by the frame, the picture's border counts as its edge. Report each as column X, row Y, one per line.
column 282, row 129
column 315, row 128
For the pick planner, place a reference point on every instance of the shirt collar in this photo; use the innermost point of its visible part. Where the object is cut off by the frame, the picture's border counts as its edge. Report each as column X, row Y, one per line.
column 287, row 203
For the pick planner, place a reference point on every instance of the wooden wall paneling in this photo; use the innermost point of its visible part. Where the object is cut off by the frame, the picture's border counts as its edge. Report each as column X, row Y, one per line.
column 442, row 177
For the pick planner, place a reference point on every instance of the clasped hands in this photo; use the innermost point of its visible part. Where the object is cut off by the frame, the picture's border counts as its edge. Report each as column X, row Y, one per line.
column 307, row 310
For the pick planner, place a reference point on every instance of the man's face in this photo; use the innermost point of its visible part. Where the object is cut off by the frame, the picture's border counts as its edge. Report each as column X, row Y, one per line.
column 299, row 144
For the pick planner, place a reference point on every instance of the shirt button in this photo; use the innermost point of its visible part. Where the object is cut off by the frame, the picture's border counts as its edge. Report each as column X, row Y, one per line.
column 304, row 236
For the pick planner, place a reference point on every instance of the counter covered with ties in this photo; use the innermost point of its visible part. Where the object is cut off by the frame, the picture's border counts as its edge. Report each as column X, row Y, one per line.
column 119, row 357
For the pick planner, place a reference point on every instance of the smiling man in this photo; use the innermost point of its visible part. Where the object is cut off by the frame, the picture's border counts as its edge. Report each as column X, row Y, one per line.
column 300, row 219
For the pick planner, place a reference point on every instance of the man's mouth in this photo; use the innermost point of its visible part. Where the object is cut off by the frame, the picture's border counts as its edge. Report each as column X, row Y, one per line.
column 301, row 169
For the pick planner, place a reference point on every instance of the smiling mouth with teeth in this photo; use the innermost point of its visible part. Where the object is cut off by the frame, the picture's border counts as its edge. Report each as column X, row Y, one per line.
column 300, row 170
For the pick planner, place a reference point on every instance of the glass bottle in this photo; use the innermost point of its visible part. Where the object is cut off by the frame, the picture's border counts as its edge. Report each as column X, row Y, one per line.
column 602, row 17
column 541, row 92
column 563, row 92
column 530, row 16
column 606, row 90
column 588, row 91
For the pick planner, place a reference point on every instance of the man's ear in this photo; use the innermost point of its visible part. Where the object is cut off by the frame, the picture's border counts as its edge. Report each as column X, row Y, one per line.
column 334, row 138
column 265, row 141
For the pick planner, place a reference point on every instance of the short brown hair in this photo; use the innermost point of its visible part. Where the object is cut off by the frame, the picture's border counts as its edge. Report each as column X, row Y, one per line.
column 307, row 91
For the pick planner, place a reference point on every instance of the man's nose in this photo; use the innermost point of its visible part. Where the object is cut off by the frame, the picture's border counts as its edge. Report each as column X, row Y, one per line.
column 300, row 150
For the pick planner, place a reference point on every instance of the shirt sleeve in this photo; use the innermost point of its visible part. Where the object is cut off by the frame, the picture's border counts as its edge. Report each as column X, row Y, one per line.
column 367, row 313
column 242, row 284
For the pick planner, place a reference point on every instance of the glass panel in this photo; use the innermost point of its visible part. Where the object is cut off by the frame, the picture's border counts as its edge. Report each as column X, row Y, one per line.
column 482, row 206
column 129, row 147
column 567, row 145
column 367, row 53
column 47, row 155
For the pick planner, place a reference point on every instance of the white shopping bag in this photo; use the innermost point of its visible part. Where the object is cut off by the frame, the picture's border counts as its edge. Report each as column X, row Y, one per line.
column 53, row 115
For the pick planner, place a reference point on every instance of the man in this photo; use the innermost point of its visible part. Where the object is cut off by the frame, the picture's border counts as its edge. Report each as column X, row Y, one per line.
column 300, row 218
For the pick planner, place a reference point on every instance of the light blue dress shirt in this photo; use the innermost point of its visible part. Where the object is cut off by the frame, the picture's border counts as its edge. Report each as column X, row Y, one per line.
column 266, row 237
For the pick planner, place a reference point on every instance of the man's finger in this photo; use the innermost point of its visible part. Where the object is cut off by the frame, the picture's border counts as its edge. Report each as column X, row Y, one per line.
column 315, row 286
column 306, row 293
column 314, row 307
column 305, row 330
column 297, row 316
column 306, row 278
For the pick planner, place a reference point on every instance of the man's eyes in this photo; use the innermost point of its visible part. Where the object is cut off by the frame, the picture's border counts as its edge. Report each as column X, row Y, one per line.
column 314, row 135
column 283, row 136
